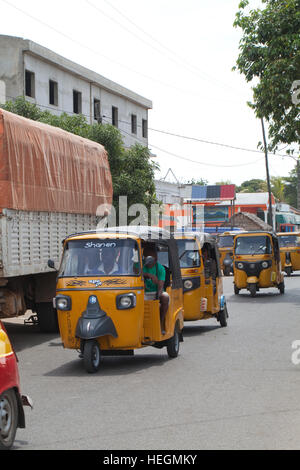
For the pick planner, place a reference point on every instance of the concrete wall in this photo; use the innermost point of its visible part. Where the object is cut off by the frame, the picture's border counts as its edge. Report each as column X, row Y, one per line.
column 18, row 55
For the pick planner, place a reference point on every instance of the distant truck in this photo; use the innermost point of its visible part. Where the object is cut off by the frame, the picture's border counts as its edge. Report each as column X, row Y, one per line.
column 51, row 184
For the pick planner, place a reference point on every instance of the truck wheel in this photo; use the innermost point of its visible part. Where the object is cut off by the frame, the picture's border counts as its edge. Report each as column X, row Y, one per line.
column 8, row 418
column 47, row 317
column 173, row 344
column 252, row 289
column 91, row 356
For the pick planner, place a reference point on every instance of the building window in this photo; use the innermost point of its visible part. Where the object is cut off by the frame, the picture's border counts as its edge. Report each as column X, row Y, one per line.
column 29, row 84
column 114, row 118
column 145, row 128
column 77, row 102
column 133, row 124
column 53, row 93
column 97, row 110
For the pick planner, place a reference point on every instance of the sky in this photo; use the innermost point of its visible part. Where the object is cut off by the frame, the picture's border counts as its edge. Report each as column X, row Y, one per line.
column 177, row 54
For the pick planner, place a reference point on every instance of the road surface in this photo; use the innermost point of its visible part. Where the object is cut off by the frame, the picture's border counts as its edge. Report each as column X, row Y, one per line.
column 230, row 388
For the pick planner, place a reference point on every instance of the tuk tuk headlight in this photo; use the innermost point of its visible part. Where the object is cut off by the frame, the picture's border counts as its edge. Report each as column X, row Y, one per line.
column 62, row 302
column 188, row 284
column 265, row 264
column 126, row 301
column 240, row 265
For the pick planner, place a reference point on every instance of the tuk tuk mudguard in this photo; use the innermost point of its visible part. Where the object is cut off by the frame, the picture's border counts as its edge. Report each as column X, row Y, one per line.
column 94, row 322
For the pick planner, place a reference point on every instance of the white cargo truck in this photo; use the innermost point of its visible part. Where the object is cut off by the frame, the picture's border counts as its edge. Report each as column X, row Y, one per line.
column 51, row 184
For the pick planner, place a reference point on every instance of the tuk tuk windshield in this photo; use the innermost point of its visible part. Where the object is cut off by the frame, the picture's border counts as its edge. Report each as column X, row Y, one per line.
column 109, row 257
column 226, row 241
column 256, row 245
column 289, row 240
column 188, row 253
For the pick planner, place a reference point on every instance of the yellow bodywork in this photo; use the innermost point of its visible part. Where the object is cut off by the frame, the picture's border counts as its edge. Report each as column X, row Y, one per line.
column 200, row 303
column 136, row 327
column 268, row 277
column 294, row 252
column 5, row 345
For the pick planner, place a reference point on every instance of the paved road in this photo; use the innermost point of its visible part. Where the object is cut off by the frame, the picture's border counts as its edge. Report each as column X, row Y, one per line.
column 230, row 388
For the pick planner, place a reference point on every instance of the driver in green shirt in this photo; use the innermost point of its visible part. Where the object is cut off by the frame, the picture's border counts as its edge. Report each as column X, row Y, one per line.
column 155, row 276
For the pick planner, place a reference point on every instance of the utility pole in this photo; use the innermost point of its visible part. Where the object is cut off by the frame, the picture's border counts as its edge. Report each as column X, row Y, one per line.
column 268, row 176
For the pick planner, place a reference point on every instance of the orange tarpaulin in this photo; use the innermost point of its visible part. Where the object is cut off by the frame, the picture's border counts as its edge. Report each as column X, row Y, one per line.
column 44, row 168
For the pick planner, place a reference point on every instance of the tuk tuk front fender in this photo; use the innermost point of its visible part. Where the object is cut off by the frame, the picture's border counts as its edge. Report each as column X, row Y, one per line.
column 93, row 328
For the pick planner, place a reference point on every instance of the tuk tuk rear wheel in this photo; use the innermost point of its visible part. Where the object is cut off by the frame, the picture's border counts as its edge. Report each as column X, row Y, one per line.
column 173, row 344
column 288, row 271
column 222, row 317
column 236, row 290
column 91, row 356
column 281, row 288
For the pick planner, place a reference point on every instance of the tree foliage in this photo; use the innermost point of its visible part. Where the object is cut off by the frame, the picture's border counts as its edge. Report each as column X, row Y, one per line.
column 270, row 55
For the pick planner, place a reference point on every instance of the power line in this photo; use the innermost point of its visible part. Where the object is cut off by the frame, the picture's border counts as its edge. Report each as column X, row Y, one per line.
column 133, row 136
column 193, row 67
column 75, row 41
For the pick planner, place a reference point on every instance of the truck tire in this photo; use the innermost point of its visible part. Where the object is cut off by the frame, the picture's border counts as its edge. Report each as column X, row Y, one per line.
column 47, row 317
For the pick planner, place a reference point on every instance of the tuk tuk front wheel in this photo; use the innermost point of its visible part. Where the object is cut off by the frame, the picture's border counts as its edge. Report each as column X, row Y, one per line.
column 173, row 344
column 91, row 356
column 252, row 289
column 226, row 271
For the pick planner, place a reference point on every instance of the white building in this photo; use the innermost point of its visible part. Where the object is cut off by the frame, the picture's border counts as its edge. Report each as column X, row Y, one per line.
column 59, row 85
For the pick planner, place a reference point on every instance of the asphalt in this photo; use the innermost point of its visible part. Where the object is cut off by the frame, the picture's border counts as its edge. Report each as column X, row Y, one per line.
column 230, row 388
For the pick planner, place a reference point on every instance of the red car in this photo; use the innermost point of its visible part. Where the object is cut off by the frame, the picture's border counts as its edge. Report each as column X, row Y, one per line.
column 11, row 401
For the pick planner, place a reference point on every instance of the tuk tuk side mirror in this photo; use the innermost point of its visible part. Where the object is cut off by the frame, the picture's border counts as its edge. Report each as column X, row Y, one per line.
column 51, row 264
column 149, row 260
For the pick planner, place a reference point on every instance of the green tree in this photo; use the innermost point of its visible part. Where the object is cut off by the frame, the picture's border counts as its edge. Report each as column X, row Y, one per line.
column 270, row 55
column 290, row 188
column 253, row 186
column 198, row 181
column 277, row 187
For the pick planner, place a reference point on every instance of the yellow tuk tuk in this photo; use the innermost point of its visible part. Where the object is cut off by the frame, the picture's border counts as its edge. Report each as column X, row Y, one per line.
column 100, row 298
column 225, row 246
column 202, row 277
column 257, row 262
column 289, row 244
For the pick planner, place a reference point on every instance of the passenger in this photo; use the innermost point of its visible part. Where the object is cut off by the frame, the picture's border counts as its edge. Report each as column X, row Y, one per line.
column 108, row 264
column 155, row 276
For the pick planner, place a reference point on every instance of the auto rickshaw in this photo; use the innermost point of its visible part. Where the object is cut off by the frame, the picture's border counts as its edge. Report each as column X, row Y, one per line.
column 202, row 277
column 11, row 401
column 289, row 244
column 257, row 262
column 225, row 245
column 102, row 306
